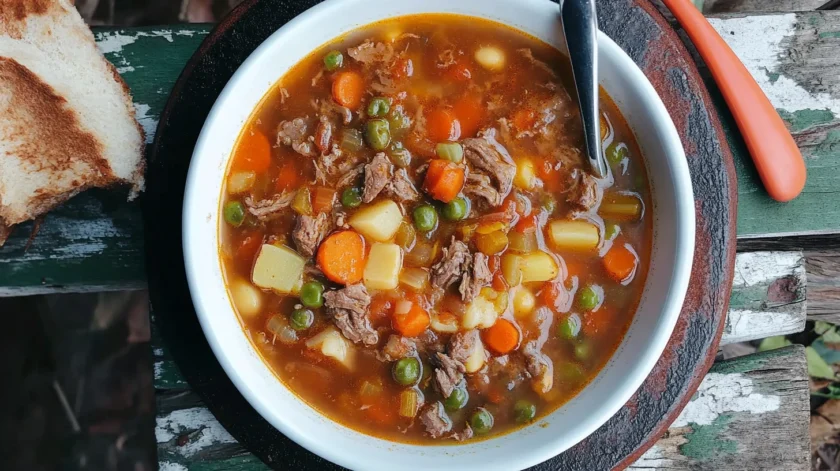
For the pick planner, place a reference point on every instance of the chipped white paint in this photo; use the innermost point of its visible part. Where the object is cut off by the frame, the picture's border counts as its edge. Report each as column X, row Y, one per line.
column 125, row 70
column 725, row 393
column 743, row 324
column 756, row 268
column 158, row 370
column 158, row 352
column 149, row 121
column 170, row 466
column 757, row 41
column 196, row 419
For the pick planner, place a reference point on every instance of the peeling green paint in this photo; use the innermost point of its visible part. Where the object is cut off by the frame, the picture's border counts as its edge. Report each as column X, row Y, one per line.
column 830, row 34
column 238, row 463
column 705, row 441
column 804, row 119
column 773, row 76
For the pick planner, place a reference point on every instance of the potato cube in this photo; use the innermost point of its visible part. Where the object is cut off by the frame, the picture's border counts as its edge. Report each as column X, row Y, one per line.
column 332, row 344
column 480, row 313
column 246, row 297
column 476, row 359
column 378, row 222
column 277, row 267
column 526, row 175
column 490, row 57
column 383, row 266
column 538, row 266
column 573, row 235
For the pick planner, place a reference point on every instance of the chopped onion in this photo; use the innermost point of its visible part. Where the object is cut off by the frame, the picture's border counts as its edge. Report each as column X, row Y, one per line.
column 279, row 326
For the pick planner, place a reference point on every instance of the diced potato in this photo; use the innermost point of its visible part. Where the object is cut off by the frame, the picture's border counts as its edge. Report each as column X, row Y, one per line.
column 526, row 175
column 476, row 359
column 524, row 302
column 538, row 266
column 444, row 323
column 278, row 268
column 511, row 268
column 415, row 278
column 490, row 57
column 573, row 235
column 480, row 313
column 383, row 266
column 543, row 383
column 246, row 298
column 240, row 182
column 378, row 222
column 332, row 344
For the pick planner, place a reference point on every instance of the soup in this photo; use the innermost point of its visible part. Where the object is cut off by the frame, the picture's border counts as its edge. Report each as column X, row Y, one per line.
column 413, row 241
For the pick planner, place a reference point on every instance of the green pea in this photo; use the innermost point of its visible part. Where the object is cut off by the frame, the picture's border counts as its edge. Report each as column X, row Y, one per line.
column 524, row 411
column 617, row 152
column 333, row 60
column 425, row 218
column 351, row 198
column 569, row 327
column 456, row 209
column 377, row 134
column 582, row 350
column 400, row 156
column 407, row 371
column 378, row 107
column 548, row 203
column 481, row 421
column 569, row 372
column 589, row 297
column 457, row 400
column 234, row 213
column 611, row 231
column 301, row 319
column 312, row 294
column 451, row 151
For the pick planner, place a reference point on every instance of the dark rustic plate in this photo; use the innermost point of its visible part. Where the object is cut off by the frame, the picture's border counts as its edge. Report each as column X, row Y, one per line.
column 641, row 31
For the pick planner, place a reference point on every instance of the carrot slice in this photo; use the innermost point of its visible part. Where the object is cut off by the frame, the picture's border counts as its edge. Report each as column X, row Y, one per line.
column 341, row 257
column 253, row 154
column 458, row 72
column 469, row 109
column 444, row 180
column 524, row 119
column 288, row 178
column 556, row 296
column 380, row 308
column 442, row 125
column 502, row 337
column 348, row 88
column 323, row 199
column 621, row 262
column 410, row 319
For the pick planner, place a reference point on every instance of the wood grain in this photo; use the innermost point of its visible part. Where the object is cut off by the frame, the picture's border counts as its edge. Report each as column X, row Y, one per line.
column 823, row 286
column 760, row 6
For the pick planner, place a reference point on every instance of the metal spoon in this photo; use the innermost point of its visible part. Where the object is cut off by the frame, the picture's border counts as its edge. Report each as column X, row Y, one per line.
column 580, row 28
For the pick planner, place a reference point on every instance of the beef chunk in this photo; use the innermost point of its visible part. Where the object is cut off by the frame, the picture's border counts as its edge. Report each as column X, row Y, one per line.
column 435, row 420
column 465, row 434
column 478, row 186
column 323, row 134
column 349, row 307
column 476, row 277
column 309, row 232
column 378, row 174
column 270, row 208
column 485, row 155
column 370, row 53
column 448, row 374
column 401, row 187
column 350, row 176
column 397, row 347
column 452, row 266
column 586, row 193
column 539, row 367
column 510, row 370
column 462, row 344
column 293, row 133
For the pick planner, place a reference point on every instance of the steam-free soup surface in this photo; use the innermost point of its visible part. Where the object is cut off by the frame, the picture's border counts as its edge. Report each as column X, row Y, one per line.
column 412, row 238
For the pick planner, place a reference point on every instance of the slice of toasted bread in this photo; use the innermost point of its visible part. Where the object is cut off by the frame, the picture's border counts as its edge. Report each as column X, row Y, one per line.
column 67, row 122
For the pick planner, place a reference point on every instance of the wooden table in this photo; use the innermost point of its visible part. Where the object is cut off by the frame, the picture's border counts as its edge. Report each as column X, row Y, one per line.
column 751, row 412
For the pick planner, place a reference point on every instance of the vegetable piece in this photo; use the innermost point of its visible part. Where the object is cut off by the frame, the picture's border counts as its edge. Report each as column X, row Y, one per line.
column 351, row 197
column 288, row 177
column 399, row 155
column 348, row 89
column 302, row 203
column 279, row 326
column 234, row 213
column 378, row 107
column 456, row 210
column 491, row 244
column 333, row 60
column 351, row 140
column 617, row 152
column 523, row 242
column 425, row 218
column 605, row 127
column 569, row 327
column 406, row 235
column 410, row 319
column 469, row 110
column 476, row 359
column 444, row 323
column 398, row 121
column 511, row 269
column 278, row 268
column 415, row 278
column 490, row 227
column 490, row 57
column 621, row 262
column 526, row 175
column 253, row 154
column 332, row 344
column 442, row 125
column 589, row 297
column 457, row 400
column 301, row 319
column 548, row 203
column 573, row 235
column 451, row 151
column 538, row 266
column 583, row 350
column 524, row 301
column 524, row 119
column 480, row 313
column 240, row 182
column 323, row 199
column 621, row 207
column 312, row 294
column 444, row 180
column 377, row 134
column 407, row 371
column 383, row 266
column 502, row 337
column 341, row 257
column 410, row 401
column 370, row 389
column 422, row 254
column 246, row 298
column 524, row 411
column 611, row 231
column 378, row 221
column 481, row 421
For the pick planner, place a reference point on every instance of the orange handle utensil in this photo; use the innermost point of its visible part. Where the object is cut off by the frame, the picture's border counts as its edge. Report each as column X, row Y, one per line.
column 773, row 149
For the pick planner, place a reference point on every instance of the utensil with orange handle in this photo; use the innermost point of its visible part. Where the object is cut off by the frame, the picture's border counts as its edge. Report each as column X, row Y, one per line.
column 773, row 149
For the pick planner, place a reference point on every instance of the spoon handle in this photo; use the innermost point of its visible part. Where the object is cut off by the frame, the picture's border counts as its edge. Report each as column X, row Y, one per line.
column 775, row 153
column 580, row 29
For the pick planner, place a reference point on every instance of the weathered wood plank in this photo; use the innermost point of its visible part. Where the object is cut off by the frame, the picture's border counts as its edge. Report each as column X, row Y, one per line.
column 823, row 286
column 760, row 6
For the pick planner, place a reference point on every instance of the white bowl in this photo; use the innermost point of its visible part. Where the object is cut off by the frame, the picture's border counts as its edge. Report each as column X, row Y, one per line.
column 667, row 281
